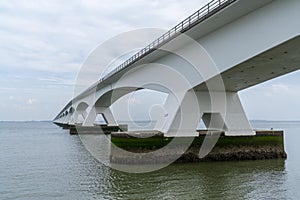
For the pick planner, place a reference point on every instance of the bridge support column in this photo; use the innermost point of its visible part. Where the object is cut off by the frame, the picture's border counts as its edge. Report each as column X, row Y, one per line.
column 94, row 111
column 236, row 120
column 224, row 112
column 220, row 111
column 67, row 120
column 73, row 118
column 109, row 117
column 180, row 118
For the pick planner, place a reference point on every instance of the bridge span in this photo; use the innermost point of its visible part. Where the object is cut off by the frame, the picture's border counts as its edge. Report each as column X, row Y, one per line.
column 223, row 48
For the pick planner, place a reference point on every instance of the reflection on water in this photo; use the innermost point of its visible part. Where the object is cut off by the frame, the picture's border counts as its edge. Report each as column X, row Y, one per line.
column 41, row 161
column 235, row 180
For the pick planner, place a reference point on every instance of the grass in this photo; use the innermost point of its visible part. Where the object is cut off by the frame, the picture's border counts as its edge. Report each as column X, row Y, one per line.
column 156, row 143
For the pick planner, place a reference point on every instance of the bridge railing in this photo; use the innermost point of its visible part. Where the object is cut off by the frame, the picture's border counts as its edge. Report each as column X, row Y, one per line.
column 200, row 15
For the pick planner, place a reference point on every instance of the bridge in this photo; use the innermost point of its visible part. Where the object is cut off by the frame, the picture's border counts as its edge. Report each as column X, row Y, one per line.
column 223, row 48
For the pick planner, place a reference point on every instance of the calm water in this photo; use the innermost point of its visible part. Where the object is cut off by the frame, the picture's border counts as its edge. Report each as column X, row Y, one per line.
column 40, row 161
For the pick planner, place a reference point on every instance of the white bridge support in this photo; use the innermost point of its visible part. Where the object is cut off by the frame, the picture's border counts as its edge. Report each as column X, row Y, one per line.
column 228, row 116
column 219, row 111
column 74, row 118
column 181, row 115
column 106, row 113
column 81, row 110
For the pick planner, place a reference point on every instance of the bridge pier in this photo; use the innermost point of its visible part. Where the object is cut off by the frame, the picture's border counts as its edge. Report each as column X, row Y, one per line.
column 224, row 112
column 181, row 117
column 220, row 111
column 106, row 113
column 67, row 119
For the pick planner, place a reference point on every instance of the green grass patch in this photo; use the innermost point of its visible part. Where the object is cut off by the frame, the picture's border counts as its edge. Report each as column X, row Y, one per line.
column 127, row 143
column 250, row 141
column 157, row 142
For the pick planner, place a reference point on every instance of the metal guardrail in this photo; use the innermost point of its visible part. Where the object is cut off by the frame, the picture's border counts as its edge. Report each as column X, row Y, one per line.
column 197, row 17
column 203, row 13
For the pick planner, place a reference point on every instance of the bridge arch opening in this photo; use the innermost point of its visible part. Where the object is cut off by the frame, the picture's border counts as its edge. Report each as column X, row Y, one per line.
column 71, row 110
column 129, row 105
column 82, row 106
column 100, row 120
column 140, row 109
column 81, row 112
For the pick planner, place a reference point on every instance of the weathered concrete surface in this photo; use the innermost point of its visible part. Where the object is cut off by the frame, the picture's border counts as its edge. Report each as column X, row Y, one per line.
column 265, row 145
column 96, row 129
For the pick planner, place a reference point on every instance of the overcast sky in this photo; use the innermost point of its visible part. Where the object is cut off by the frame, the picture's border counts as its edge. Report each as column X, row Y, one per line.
column 44, row 43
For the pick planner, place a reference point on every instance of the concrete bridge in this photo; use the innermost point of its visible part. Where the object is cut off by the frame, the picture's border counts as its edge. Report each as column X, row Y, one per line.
column 225, row 47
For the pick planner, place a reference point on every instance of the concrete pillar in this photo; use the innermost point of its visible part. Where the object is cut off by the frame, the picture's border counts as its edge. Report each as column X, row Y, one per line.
column 220, row 111
column 182, row 115
column 94, row 111
column 91, row 117
column 67, row 119
column 74, row 118
column 109, row 117
column 235, row 119
column 223, row 111
column 214, row 121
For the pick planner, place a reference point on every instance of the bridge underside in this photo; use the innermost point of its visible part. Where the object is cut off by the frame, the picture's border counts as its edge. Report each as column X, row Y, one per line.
column 273, row 63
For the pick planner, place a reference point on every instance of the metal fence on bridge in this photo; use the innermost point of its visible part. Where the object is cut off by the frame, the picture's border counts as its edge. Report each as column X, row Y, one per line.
column 197, row 17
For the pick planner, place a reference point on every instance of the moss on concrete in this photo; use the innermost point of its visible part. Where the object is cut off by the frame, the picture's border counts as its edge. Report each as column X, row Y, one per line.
column 263, row 146
column 149, row 143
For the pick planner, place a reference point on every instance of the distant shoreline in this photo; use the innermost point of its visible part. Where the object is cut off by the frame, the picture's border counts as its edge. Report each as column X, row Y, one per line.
column 147, row 121
column 24, row 121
